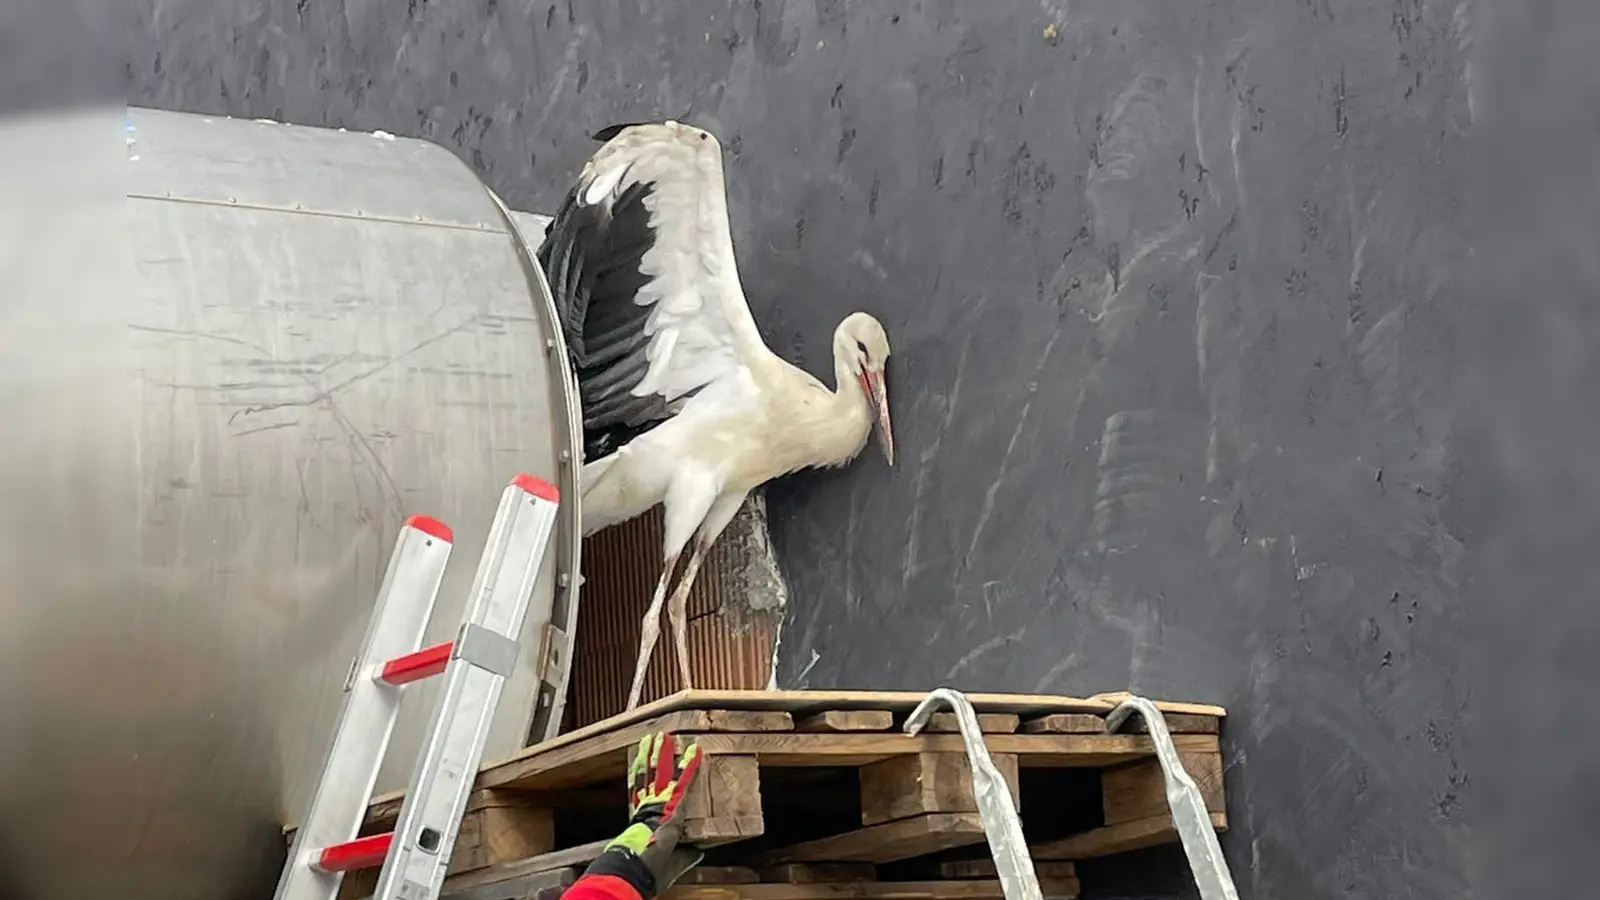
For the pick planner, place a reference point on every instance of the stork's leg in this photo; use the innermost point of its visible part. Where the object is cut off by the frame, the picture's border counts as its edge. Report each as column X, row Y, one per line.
column 720, row 514
column 650, row 630
column 688, row 500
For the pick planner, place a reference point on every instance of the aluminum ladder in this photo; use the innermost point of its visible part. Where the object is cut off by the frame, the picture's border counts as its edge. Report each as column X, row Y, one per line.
column 415, row 856
column 1003, row 829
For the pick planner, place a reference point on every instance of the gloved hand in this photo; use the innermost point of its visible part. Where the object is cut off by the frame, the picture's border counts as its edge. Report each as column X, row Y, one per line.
column 648, row 853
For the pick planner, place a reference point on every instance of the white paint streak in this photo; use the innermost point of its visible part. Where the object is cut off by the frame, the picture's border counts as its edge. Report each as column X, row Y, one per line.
column 1011, row 445
column 910, row 563
column 983, row 649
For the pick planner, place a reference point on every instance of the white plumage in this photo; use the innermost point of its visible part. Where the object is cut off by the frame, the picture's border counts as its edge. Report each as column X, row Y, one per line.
column 683, row 403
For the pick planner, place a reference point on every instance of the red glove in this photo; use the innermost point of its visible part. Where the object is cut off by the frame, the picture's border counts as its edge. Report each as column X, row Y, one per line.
column 646, row 856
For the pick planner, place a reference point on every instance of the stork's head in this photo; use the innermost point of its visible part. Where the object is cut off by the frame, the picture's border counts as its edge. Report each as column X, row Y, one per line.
column 862, row 344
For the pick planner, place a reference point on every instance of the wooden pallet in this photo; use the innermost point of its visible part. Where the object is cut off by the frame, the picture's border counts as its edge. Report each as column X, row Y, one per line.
column 817, row 794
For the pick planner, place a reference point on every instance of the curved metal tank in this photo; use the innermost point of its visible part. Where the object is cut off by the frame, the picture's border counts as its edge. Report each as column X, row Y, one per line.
column 283, row 341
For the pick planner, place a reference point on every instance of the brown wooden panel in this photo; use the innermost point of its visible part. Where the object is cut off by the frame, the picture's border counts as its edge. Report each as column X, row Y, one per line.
column 988, row 723
column 1111, row 839
column 905, row 786
column 724, row 803
column 749, row 720
column 985, row 868
column 1137, row 790
column 890, row 841
column 858, row 890
column 847, row 720
column 819, row 873
column 719, row 875
column 730, row 645
column 1065, row 723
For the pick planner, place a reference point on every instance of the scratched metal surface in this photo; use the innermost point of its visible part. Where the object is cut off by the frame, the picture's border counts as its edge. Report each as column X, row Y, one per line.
column 1166, row 285
column 210, row 450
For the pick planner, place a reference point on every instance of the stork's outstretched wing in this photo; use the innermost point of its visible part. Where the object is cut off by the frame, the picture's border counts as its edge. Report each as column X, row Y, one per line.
column 641, row 264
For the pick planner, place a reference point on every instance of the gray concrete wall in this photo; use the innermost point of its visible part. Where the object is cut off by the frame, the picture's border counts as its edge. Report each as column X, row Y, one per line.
column 1168, row 286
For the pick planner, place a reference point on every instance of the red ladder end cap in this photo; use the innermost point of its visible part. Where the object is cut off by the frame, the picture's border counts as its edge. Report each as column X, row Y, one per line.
column 361, row 853
column 538, row 487
column 432, row 527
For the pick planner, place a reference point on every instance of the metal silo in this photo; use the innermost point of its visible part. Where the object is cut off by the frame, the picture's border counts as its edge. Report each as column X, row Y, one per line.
column 284, row 340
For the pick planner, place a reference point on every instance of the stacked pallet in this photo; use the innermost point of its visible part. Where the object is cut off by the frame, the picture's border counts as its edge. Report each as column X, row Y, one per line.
column 805, row 795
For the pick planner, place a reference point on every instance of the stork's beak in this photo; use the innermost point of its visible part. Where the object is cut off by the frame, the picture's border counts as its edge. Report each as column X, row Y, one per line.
column 878, row 398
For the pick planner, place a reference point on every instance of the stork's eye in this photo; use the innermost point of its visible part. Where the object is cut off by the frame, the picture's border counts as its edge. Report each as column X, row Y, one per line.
column 863, row 348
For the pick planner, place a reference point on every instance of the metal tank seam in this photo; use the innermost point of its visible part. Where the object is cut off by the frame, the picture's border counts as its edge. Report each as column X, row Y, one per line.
column 571, row 556
column 478, row 228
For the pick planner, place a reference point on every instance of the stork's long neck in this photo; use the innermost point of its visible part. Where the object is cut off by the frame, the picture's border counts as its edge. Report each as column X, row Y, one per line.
column 850, row 416
column 811, row 426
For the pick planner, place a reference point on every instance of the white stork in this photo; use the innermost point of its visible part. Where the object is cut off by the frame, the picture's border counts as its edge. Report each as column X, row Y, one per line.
column 683, row 404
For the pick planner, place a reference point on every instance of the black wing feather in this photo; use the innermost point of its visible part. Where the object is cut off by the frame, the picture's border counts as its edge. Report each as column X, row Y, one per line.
column 592, row 257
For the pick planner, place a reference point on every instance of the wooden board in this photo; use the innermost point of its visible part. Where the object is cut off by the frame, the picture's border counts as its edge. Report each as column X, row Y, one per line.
column 984, row 868
column 724, row 803
column 1138, row 790
column 819, row 873
column 903, row 786
column 1121, row 838
column 722, row 875
column 1084, row 723
column 857, row 890
column 570, row 858
column 799, row 703
column 846, row 720
column 890, row 841
column 605, row 757
column 988, row 723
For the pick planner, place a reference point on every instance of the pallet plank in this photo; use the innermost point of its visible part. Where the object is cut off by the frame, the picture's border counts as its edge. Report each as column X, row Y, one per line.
column 1051, row 750
column 801, row 703
column 720, row 875
column 820, row 873
column 904, row 786
column 1138, row 790
column 1065, row 723
column 749, row 720
column 570, row 761
column 571, row 858
column 847, row 720
column 890, row 841
column 859, row 890
column 1120, row 838
column 1177, row 723
column 985, row 868
column 724, row 803
column 988, row 723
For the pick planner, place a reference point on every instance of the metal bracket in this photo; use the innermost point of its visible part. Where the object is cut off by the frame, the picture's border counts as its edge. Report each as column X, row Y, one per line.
column 487, row 650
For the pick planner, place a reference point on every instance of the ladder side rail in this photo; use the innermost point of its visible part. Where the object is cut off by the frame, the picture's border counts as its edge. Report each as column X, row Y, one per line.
column 367, row 714
column 484, row 655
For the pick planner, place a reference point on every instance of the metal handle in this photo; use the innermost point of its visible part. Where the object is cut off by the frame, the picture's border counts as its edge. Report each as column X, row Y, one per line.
column 1188, row 806
column 995, row 809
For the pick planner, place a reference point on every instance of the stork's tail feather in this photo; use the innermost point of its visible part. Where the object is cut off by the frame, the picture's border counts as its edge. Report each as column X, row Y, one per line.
column 611, row 131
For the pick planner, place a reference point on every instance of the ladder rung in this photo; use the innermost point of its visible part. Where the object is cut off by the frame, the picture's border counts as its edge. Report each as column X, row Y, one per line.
column 361, row 853
column 424, row 663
